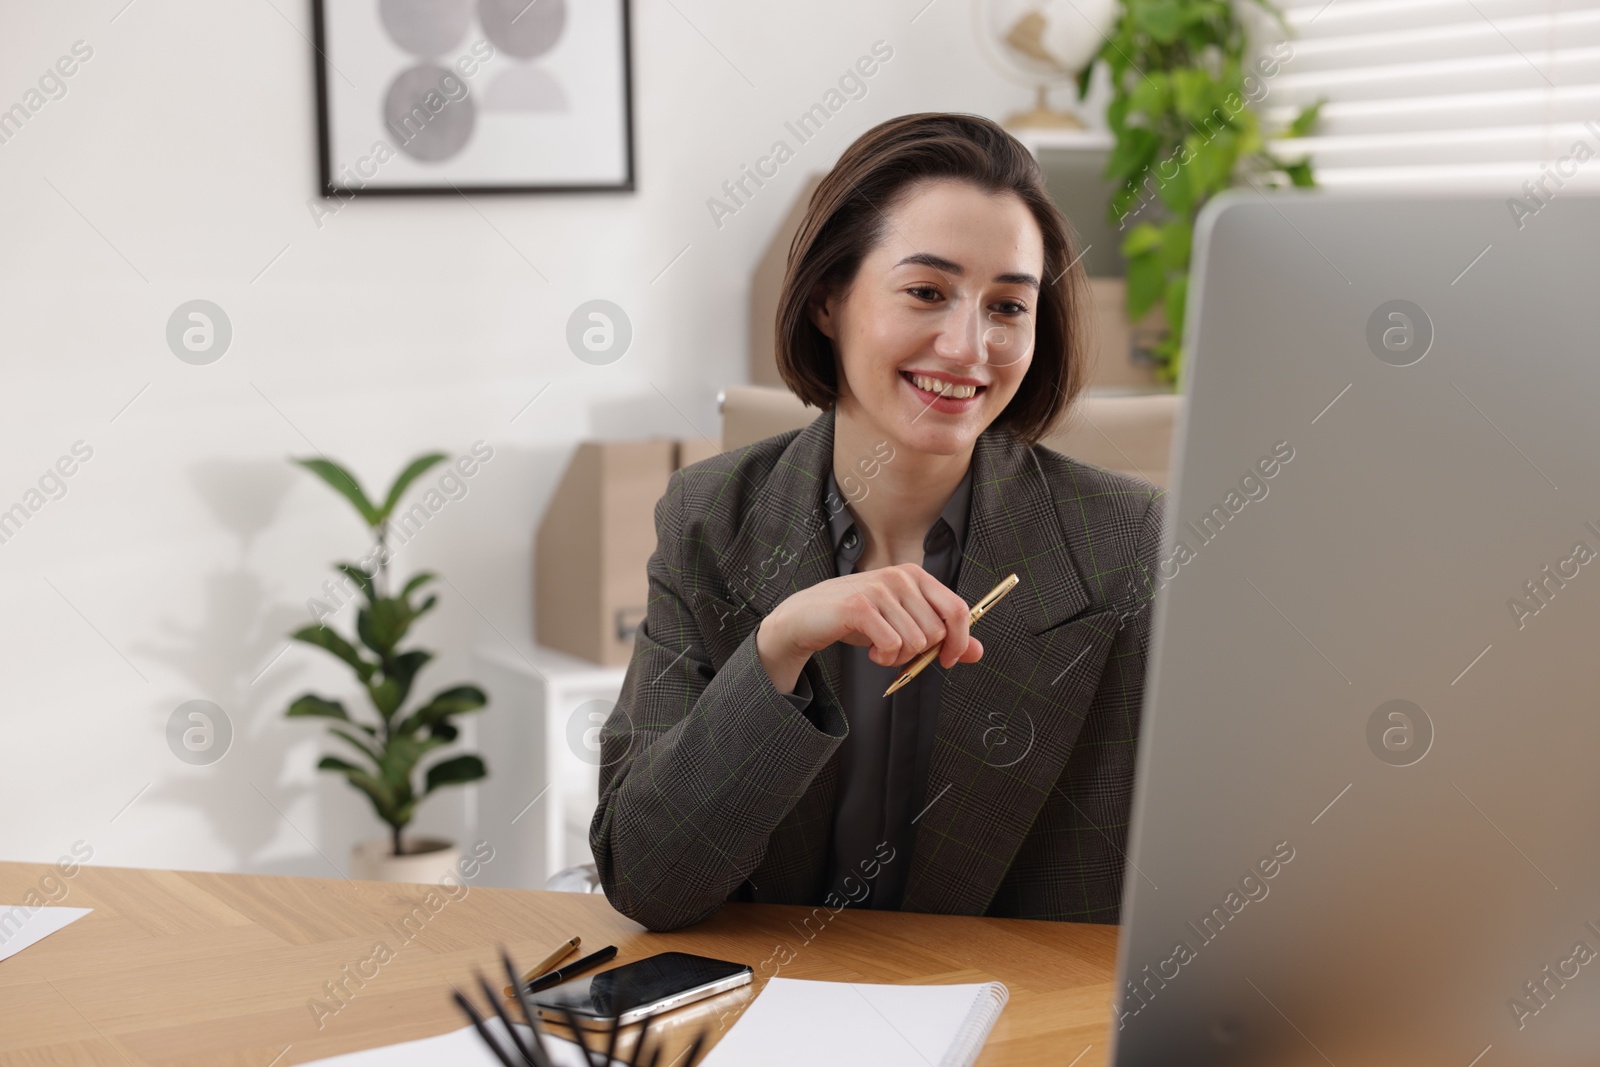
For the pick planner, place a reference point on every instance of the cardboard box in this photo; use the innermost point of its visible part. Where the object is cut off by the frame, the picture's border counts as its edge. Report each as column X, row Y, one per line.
column 695, row 449
column 596, row 537
column 766, row 285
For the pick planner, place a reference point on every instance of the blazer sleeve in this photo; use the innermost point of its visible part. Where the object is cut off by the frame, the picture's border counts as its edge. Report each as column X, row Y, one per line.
column 698, row 765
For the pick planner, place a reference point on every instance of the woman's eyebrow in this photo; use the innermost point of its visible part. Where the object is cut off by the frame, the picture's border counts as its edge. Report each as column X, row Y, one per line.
column 928, row 259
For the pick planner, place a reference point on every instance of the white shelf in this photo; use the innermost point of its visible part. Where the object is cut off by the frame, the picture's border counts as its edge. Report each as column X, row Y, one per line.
column 536, row 660
column 544, row 777
column 1035, row 140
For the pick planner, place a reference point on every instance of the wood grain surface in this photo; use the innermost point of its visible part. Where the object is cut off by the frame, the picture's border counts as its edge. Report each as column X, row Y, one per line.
column 178, row 967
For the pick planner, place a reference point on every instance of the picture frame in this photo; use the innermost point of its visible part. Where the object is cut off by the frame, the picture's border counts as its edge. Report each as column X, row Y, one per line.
column 449, row 97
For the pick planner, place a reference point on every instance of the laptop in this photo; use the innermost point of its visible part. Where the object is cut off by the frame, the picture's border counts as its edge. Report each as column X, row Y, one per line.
column 1366, row 828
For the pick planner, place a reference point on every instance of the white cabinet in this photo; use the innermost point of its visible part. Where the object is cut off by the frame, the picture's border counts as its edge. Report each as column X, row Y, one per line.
column 540, row 737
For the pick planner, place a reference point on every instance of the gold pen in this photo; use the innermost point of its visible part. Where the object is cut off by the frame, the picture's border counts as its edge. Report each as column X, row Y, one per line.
column 565, row 949
column 990, row 599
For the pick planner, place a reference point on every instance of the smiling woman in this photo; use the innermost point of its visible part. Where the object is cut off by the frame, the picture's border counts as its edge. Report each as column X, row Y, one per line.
column 932, row 309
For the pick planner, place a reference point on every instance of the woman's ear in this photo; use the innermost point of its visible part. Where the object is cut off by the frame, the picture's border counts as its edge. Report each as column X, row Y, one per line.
column 822, row 309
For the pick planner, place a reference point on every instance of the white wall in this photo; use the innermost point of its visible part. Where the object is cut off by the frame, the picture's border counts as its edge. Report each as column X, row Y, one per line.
column 186, row 547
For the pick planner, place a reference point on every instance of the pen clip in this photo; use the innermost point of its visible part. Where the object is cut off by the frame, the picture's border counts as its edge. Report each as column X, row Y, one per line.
column 992, row 597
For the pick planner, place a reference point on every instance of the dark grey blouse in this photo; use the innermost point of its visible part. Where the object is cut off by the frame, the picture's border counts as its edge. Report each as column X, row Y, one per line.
column 883, row 761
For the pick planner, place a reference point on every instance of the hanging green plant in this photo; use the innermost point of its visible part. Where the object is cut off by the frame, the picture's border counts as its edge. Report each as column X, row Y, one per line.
column 1182, row 112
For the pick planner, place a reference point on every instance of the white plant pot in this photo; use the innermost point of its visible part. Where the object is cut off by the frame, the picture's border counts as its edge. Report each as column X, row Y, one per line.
column 427, row 860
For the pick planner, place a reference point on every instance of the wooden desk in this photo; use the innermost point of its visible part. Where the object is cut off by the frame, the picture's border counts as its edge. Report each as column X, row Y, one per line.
column 194, row 968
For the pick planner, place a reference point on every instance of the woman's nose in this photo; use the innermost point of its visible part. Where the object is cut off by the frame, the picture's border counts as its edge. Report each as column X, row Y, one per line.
column 964, row 338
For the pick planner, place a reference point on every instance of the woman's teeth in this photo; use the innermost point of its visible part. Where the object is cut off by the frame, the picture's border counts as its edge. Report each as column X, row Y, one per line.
column 942, row 388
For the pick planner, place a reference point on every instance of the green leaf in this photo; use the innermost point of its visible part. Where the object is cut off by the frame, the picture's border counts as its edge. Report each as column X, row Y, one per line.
column 400, row 761
column 414, row 470
column 404, row 670
column 386, row 697
column 383, row 624
column 1176, row 299
column 1131, row 156
column 1300, row 173
column 357, row 743
column 1084, row 75
column 458, row 700
column 361, row 578
column 345, row 484
column 1209, row 11
column 390, row 694
column 1153, row 94
column 313, row 706
column 1146, row 282
column 329, row 641
column 1176, row 240
column 1307, row 119
column 1143, row 238
column 417, row 581
column 1194, row 95
column 1161, row 19
column 1116, row 112
column 1178, row 194
column 389, row 808
column 1126, row 204
column 1213, row 162
column 368, row 638
column 457, row 771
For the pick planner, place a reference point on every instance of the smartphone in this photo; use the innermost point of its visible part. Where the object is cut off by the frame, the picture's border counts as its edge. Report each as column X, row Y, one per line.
column 628, row 993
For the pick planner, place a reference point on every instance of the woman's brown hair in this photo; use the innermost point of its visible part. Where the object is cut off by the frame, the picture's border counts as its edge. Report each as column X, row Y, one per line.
column 847, row 217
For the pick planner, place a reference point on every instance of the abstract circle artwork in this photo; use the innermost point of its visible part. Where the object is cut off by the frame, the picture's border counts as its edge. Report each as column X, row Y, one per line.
column 429, row 112
column 426, row 27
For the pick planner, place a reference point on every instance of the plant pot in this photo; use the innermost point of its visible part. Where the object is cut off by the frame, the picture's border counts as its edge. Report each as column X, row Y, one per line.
column 427, row 860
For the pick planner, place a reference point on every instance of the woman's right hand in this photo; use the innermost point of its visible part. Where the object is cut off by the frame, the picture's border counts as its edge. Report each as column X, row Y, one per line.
column 898, row 612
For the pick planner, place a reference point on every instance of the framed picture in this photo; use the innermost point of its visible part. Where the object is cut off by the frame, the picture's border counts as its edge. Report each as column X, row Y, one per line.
column 473, row 96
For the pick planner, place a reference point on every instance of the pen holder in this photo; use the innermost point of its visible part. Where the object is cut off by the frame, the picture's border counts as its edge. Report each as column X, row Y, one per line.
column 533, row 1052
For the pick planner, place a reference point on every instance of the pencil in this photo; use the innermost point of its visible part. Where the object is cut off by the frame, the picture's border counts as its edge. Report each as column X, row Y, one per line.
column 565, row 949
column 990, row 599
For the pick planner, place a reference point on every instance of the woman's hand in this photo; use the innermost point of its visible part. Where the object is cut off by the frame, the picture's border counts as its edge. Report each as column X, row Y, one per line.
column 898, row 611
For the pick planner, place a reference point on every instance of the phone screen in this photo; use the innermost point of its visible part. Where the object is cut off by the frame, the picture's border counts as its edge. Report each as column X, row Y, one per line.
column 613, row 993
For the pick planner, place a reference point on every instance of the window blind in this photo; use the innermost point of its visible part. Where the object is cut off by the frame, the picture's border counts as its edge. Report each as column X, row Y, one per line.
column 1447, row 93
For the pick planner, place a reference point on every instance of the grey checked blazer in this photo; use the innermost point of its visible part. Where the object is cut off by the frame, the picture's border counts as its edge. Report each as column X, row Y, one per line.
column 713, row 787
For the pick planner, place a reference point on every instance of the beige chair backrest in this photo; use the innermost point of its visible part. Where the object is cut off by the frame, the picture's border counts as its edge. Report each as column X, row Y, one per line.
column 1128, row 433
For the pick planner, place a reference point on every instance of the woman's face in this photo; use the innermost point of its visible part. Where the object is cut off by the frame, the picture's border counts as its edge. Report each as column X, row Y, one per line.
column 942, row 308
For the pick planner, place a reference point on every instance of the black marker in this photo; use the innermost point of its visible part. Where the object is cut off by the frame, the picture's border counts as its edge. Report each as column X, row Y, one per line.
column 572, row 970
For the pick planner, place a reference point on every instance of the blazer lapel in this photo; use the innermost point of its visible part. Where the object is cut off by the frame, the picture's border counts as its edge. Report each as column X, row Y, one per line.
column 782, row 546
column 1006, row 724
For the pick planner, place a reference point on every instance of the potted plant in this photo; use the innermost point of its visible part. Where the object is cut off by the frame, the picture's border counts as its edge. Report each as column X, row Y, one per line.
column 1182, row 111
column 389, row 746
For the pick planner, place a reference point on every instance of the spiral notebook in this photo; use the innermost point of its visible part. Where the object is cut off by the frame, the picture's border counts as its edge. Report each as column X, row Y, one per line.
column 795, row 1023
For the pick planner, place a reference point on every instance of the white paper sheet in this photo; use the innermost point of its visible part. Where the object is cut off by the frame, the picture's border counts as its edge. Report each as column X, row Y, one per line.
column 458, row 1048
column 21, row 926
column 797, row 1023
